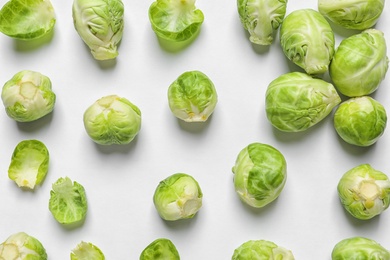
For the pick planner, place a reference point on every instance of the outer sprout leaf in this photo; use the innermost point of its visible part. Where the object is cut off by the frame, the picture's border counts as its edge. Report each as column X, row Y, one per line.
column 22, row 246
column 261, row 250
column 160, row 249
column 86, row 251
column 359, row 248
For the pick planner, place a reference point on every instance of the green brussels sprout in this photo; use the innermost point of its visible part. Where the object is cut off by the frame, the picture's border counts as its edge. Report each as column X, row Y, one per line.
column 364, row 192
column 29, row 163
column 192, row 97
column 352, row 14
column 22, row 246
column 27, row 19
column 308, row 40
column 260, row 173
column 261, row 18
column 86, row 251
column 112, row 120
column 160, row 249
column 295, row 101
column 175, row 20
column 359, row 248
column 179, row 196
column 68, row 202
column 261, row 250
column 360, row 121
column 100, row 25
column 28, row 96
column 360, row 63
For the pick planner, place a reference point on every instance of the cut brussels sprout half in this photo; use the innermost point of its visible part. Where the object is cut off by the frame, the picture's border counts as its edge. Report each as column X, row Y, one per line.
column 160, row 249
column 178, row 197
column 86, row 251
column 28, row 96
column 100, row 25
column 29, row 164
column 354, row 248
column 261, row 250
column 22, row 246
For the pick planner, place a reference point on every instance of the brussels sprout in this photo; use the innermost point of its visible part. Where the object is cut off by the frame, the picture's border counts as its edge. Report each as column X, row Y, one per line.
column 22, row 246
column 86, row 251
column 360, row 63
column 295, row 101
column 192, row 97
column 360, row 121
column 260, row 173
column 29, row 164
column 112, row 120
column 308, row 40
column 261, row 250
column 178, row 197
column 352, row 14
column 359, row 248
column 160, row 249
column 28, row 96
column 27, row 19
column 261, row 18
column 100, row 25
column 175, row 20
column 68, row 202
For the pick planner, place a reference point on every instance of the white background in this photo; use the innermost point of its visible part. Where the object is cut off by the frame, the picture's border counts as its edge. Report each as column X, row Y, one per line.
column 120, row 181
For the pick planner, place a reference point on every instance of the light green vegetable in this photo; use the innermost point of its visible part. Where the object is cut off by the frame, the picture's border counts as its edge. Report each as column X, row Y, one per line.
column 100, row 25
column 28, row 96
column 261, row 250
column 352, row 14
column 261, row 18
column 112, row 120
column 179, row 196
column 21, row 246
column 360, row 121
column 364, row 191
column 68, row 201
column 295, row 101
column 359, row 248
column 260, row 173
column 360, row 63
column 308, row 40
column 29, row 164
column 86, row 251
column 160, row 249
column 27, row 19
column 175, row 20
column 192, row 97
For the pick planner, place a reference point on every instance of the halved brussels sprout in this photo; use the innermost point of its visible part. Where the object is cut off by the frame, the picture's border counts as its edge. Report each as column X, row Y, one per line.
column 22, row 246
column 192, row 97
column 160, row 249
column 261, row 18
column 178, row 197
column 296, row 101
column 260, row 173
column 352, row 14
column 68, row 201
column 28, row 96
column 360, row 121
column 261, row 250
column 354, row 248
column 100, row 25
column 175, row 20
column 308, row 40
column 360, row 63
column 112, row 120
column 27, row 19
column 29, row 163
column 364, row 191
column 86, row 251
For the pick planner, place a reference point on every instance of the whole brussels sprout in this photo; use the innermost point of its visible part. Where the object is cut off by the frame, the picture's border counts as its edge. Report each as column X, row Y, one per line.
column 261, row 250
column 160, row 249
column 364, row 191
column 112, row 120
column 260, row 173
column 86, row 251
column 359, row 248
column 360, row 63
column 296, row 101
column 308, row 40
column 352, row 14
column 22, row 246
column 360, row 121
